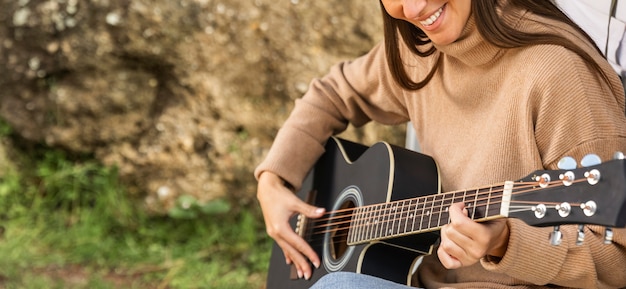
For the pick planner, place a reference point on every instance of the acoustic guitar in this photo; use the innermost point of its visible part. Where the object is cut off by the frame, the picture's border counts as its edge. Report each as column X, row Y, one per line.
column 384, row 208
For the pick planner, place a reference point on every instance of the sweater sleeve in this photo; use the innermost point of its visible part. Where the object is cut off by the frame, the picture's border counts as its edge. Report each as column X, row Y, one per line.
column 353, row 92
column 575, row 113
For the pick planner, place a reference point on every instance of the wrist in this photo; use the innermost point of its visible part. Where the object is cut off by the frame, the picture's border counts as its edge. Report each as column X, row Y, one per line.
column 271, row 178
column 500, row 246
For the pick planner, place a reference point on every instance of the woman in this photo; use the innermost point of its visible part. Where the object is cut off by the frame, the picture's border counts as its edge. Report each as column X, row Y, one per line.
column 495, row 90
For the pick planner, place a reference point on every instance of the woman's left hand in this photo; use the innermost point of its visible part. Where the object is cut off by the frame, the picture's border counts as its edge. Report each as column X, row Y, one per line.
column 464, row 241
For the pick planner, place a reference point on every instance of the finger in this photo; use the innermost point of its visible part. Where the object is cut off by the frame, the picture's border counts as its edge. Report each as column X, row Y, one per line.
column 303, row 247
column 461, row 222
column 447, row 260
column 452, row 242
column 467, row 247
column 310, row 211
column 461, row 246
column 302, row 263
column 297, row 251
column 458, row 213
column 296, row 258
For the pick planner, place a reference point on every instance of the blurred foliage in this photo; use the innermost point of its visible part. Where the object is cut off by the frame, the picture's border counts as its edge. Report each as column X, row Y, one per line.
column 66, row 218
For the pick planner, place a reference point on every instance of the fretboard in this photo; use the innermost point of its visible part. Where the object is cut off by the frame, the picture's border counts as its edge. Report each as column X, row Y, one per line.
column 426, row 213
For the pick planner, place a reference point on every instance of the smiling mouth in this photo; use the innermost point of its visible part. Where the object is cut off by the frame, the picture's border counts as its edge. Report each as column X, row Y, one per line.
column 430, row 20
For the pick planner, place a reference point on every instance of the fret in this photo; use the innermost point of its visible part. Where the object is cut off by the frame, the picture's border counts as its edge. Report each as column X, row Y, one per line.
column 415, row 212
column 353, row 225
column 405, row 219
column 358, row 224
column 401, row 219
column 370, row 222
column 376, row 229
column 432, row 210
column 404, row 214
column 473, row 217
column 441, row 209
column 409, row 216
column 496, row 195
column 423, row 212
column 488, row 202
column 393, row 217
column 397, row 216
column 459, row 197
column 447, row 203
column 376, row 226
column 373, row 223
column 385, row 231
column 367, row 222
column 482, row 203
column 464, row 198
column 365, row 217
column 456, row 197
column 363, row 223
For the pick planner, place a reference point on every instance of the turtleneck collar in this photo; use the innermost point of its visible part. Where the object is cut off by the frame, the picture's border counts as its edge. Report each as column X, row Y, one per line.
column 471, row 48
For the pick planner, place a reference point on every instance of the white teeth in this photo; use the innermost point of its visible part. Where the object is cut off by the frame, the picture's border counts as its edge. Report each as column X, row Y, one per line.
column 432, row 18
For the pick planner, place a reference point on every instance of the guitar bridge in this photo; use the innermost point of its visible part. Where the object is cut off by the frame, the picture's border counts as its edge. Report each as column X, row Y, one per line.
column 301, row 229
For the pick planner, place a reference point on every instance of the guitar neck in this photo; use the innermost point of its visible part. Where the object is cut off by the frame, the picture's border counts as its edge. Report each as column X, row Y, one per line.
column 426, row 213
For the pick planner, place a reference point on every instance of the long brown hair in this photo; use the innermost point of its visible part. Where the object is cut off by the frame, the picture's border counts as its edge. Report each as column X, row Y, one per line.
column 491, row 26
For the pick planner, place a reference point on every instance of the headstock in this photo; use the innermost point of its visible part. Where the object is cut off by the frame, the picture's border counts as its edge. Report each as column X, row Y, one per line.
column 593, row 194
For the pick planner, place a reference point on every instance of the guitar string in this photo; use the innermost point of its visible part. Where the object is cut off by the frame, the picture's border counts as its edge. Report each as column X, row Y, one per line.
column 399, row 210
column 434, row 220
column 385, row 206
column 482, row 192
column 340, row 233
column 344, row 231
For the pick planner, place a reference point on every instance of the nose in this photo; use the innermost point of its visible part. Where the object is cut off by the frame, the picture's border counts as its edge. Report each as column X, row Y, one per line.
column 413, row 8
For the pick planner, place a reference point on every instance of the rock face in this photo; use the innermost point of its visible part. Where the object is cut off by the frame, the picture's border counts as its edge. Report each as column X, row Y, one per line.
column 183, row 96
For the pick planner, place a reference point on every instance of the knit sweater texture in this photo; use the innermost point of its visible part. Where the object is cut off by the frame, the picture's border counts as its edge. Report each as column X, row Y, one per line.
column 488, row 115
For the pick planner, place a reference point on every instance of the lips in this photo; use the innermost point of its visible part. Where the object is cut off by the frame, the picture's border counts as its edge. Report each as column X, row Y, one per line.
column 430, row 20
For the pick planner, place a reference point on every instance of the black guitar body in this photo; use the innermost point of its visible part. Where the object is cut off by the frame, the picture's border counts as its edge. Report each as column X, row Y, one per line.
column 385, row 201
column 352, row 175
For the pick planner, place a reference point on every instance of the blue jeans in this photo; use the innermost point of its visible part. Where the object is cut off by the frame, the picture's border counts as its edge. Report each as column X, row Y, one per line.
column 349, row 280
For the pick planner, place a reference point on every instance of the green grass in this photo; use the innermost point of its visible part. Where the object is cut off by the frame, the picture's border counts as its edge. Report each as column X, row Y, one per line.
column 67, row 222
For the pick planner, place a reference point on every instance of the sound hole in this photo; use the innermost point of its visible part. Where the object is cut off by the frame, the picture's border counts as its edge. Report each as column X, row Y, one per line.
column 337, row 253
column 339, row 236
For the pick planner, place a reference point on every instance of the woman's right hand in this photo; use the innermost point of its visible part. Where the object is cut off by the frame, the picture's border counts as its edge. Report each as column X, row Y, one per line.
column 279, row 204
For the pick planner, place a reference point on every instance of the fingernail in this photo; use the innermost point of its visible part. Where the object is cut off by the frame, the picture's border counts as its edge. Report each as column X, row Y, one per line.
column 299, row 274
column 319, row 210
column 308, row 276
column 316, row 264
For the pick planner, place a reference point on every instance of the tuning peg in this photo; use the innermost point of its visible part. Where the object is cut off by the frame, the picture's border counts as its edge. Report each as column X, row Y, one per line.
column 593, row 176
column 581, row 235
column 540, row 210
column 618, row 156
column 556, row 236
column 567, row 163
column 590, row 160
column 543, row 180
column 589, row 208
column 608, row 236
column 567, row 178
column 564, row 209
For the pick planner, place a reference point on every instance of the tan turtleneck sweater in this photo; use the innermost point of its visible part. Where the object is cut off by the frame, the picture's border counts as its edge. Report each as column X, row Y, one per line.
column 488, row 115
